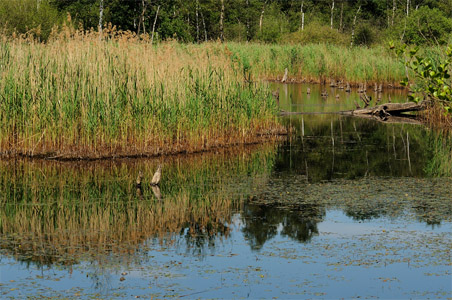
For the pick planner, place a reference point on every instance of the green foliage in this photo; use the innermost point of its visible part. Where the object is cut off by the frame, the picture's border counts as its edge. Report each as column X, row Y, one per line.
column 425, row 26
column 274, row 26
column 270, row 21
column 28, row 16
column 316, row 33
column 364, row 35
column 433, row 78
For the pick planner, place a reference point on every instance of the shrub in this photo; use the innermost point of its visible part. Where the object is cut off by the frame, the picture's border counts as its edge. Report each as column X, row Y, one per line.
column 365, row 36
column 316, row 33
column 28, row 16
column 425, row 26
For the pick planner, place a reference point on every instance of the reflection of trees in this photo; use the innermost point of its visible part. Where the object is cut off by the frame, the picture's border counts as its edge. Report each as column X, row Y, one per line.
column 263, row 221
column 331, row 147
column 198, row 237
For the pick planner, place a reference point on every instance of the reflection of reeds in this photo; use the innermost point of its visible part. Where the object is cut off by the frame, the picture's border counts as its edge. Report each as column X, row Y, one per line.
column 60, row 212
column 78, row 96
column 440, row 163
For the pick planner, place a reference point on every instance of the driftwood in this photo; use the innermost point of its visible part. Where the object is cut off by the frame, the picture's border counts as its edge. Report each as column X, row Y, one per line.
column 388, row 112
column 387, row 109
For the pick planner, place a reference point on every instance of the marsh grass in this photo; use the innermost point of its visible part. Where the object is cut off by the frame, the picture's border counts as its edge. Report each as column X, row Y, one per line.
column 79, row 96
column 319, row 62
column 53, row 212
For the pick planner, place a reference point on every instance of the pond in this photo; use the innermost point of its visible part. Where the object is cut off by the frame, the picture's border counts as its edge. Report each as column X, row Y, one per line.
column 342, row 208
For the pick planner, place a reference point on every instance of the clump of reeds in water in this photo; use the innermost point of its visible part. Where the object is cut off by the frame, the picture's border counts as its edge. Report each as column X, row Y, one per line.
column 82, row 96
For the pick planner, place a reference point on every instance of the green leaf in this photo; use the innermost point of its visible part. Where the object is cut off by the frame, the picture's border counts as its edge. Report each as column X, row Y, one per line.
column 404, row 82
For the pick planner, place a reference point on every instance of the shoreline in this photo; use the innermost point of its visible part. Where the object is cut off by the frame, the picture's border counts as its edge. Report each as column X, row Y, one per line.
column 67, row 157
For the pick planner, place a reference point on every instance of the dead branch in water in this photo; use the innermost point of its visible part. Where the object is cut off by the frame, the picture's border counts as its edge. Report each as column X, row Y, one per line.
column 388, row 112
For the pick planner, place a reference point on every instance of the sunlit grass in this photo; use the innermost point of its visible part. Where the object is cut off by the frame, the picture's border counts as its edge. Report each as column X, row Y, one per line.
column 321, row 61
column 78, row 95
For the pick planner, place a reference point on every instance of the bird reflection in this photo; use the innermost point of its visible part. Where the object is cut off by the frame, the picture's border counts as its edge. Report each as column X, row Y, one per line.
column 156, row 191
column 154, row 184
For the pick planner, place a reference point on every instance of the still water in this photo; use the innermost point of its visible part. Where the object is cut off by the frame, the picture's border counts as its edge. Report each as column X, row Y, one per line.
column 342, row 208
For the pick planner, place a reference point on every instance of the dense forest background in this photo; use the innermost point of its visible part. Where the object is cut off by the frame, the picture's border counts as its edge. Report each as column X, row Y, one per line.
column 347, row 22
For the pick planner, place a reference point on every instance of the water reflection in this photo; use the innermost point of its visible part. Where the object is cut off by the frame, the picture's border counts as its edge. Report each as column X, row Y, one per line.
column 328, row 147
column 295, row 97
column 60, row 213
column 262, row 222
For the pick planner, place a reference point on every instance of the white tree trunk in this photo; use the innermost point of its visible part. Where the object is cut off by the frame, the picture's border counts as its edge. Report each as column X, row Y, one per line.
column 101, row 13
column 204, row 25
column 261, row 19
column 354, row 25
column 221, row 22
column 153, row 26
column 302, row 15
column 332, row 13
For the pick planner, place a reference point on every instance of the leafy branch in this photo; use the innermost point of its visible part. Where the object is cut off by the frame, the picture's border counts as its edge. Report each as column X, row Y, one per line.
column 433, row 79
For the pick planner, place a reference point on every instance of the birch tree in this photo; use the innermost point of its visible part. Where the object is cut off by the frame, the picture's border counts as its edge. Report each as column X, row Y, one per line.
column 101, row 13
column 222, row 22
column 354, row 25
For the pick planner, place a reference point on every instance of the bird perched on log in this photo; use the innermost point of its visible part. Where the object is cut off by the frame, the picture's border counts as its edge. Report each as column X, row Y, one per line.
column 157, row 176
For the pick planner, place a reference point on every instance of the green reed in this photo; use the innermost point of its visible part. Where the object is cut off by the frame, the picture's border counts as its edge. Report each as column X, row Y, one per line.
column 78, row 96
column 317, row 62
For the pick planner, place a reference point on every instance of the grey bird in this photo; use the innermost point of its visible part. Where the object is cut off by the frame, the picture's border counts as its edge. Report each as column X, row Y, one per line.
column 139, row 178
column 157, row 176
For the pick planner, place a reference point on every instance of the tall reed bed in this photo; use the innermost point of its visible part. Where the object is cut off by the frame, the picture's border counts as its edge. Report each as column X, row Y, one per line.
column 78, row 95
column 317, row 62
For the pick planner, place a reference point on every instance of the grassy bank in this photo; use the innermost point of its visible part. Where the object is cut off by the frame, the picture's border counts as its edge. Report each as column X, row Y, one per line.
column 317, row 62
column 77, row 96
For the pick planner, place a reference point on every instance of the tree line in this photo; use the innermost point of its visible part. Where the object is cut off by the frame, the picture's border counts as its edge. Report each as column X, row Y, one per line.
column 272, row 21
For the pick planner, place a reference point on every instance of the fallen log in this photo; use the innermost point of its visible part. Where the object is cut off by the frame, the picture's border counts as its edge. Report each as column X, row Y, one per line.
column 388, row 109
column 388, row 112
